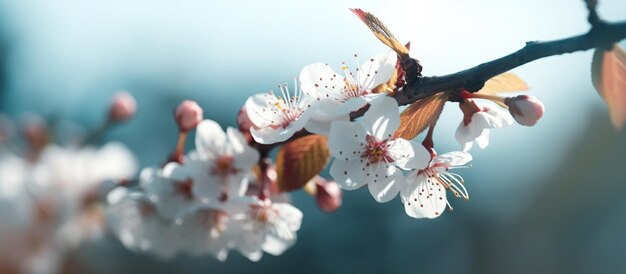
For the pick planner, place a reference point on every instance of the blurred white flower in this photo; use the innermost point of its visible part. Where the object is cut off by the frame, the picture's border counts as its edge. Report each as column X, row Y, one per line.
column 134, row 219
column 424, row 191
column 265, row 226
column 19, row 238
column 169, row 188
column 339, row 95
column 365, row 152
column 49, row 202
column 220, row 165
column 205, row 230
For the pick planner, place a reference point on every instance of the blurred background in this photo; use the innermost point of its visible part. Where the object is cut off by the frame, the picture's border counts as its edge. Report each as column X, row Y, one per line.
column 546, row 199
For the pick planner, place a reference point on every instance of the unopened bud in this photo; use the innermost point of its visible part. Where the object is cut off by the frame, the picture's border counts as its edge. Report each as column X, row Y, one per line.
column 526, row 110
column 328, row 194
column 243, row 120
column 188, row 114
column 35, row 130
column 123, row 107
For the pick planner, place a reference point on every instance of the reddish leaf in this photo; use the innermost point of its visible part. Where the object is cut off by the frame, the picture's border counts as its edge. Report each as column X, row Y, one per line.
column 503, row 83
column 381, row 32
column 417, row 117
column 396, row 81
column 608, row 72
column 300, row 160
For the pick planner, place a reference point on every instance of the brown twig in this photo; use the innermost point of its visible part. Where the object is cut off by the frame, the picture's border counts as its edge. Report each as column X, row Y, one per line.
column 601, row 35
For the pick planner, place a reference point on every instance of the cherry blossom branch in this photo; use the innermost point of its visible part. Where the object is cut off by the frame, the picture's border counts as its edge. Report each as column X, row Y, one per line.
column 601, row 35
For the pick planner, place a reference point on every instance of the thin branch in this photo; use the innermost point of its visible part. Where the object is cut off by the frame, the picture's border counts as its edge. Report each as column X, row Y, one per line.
column 601, row 35
column 593, row 18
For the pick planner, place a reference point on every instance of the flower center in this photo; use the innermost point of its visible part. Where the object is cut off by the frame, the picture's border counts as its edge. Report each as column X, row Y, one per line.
column 184, row 188
column 224, row 166
column 376, row 151
column 451, row 181
column 285, row 108
column 146, row 209
column 262, row 213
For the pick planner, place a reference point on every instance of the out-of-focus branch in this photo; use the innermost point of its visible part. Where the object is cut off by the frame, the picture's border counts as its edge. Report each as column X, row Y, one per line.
column 601, row 35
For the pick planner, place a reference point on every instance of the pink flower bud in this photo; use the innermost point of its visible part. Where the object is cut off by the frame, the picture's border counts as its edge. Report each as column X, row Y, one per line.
column 188, row 115
column 328, row 194
column 526, row 110
column 123, row 107
column 243, row 120
column 35, row 130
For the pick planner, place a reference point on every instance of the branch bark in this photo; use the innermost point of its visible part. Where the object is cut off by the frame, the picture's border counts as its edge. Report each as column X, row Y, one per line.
column 601, row 35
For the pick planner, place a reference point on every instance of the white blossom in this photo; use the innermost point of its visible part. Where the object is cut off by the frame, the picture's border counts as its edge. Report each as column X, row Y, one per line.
column 220, row 166
column 278, row 117
column 424, row 191
column 169, row 188
column 339, row 95
column 476, row 124
column 265, row 226
column 366, row 152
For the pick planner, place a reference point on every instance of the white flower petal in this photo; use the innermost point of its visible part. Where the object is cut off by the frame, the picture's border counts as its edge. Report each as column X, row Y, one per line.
column 353, row 104
column 244, row 155
column 276, row 135
column 465, row 134
column 210, row 138
column 377, row 70
column 455, row 158
column 427, row 198
column 408, row 155
column 289, row 215
column 382, row 119
column 326, row 109
column 256, row 106
column 236, row 185
column 175, row 171
column 385, row 182
column 483, row 139
column 276, row 245
column 322, row 126
column 504, row 117
column 349, row 174
column 323, row 76
column 206, row 186
column 346, row 140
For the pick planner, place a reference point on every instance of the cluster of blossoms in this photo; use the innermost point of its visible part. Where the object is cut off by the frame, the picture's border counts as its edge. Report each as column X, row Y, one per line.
column 367, row 150
column 51, row 181
column 226, row 193
column 205, row 202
